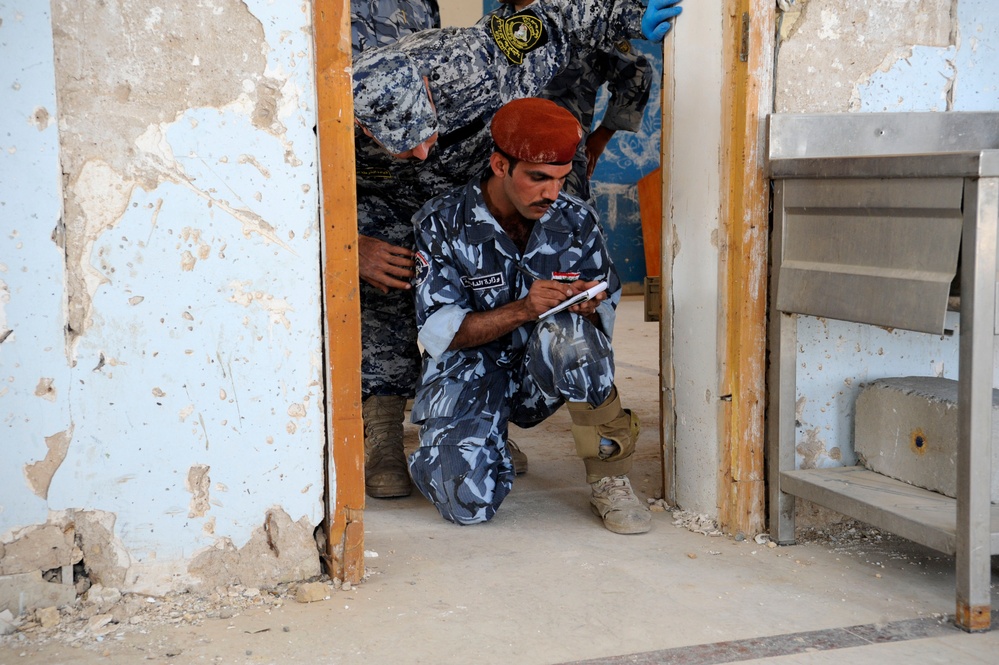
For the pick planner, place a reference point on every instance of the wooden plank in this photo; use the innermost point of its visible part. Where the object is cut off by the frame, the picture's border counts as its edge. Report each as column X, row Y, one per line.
column 650, row 206
column 345, row 432
column 749, row 39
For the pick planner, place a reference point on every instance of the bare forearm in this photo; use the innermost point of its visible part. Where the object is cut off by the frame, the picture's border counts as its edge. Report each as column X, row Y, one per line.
column 478, row 328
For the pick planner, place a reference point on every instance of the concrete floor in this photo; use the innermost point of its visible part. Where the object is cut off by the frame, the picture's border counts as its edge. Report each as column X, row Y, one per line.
column 545, row 583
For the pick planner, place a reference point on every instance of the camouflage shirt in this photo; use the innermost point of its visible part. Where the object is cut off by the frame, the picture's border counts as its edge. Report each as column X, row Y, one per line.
column 628, row 76
column 472, row 72
column 467, row 263
column 629, row 79
column 376, row 23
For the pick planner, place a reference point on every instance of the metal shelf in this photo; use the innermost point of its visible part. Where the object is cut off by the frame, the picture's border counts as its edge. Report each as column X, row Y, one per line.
column 922, row 516
column 870, row 210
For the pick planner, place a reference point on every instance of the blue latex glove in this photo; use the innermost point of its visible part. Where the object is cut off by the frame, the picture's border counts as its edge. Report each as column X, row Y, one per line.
column 656, row 21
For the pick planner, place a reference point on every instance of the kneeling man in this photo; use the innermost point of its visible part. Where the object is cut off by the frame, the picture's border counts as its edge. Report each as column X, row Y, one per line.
column 492, row 258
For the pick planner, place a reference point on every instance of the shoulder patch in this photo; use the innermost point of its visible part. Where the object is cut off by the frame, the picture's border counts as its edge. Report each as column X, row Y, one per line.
column 374, row 173
column 422, row 269
column 518, row 35
column 624, row 46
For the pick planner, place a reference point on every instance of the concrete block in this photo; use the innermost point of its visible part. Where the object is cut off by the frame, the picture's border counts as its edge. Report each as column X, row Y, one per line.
column 906, row 428
column 27, row 592
column 7, row 626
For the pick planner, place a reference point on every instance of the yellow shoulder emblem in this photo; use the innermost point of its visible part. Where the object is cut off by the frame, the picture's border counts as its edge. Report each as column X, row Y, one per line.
column 518, row 35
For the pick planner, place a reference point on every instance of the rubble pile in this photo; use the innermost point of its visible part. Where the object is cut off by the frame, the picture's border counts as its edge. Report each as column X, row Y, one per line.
column 102, row 614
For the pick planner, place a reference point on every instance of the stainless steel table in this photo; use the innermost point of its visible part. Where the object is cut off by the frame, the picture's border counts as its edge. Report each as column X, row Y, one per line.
column 871, row 214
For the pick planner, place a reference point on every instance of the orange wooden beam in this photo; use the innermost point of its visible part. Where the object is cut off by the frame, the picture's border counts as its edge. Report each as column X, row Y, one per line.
column 345, row 431
column 749, row 39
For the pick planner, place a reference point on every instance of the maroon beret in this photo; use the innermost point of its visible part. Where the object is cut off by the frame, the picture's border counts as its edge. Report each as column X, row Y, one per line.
column 535, row 130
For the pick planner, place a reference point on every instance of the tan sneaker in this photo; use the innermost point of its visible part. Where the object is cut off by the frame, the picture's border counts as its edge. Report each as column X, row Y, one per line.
column 613, row 501
column 518, row 457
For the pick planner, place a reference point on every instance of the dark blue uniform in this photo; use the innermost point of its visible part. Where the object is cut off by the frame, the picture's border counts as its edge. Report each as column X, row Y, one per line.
column 466, row 397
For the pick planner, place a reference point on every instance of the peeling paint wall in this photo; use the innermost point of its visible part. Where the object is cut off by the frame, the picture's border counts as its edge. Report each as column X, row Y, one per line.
column 872, row 56
column 160, row 303
column 833, row 52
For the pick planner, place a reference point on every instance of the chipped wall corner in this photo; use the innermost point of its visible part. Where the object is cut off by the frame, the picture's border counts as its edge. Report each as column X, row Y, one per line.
column 151, row 345
column 51, row 564
column 280, row 550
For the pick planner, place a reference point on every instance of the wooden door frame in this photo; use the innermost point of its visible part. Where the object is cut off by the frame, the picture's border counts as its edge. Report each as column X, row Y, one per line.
column 344, row 459
column 667, row 374
column 749, row 37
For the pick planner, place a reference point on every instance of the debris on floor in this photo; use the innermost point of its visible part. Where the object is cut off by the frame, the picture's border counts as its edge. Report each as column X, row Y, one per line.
column 696, row 522
column 103, row 614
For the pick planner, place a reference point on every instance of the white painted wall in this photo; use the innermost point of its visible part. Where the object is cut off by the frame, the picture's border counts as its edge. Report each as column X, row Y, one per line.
column 694, row 212
column 877, row 55
column 202, row 344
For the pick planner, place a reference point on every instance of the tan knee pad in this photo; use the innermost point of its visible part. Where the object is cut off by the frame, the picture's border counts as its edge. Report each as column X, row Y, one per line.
column 609, row 421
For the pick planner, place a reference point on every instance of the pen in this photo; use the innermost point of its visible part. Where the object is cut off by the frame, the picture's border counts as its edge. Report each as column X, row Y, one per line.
column 524, row 271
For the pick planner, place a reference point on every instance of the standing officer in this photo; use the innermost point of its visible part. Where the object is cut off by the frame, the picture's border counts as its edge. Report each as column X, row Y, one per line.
column 387, row 359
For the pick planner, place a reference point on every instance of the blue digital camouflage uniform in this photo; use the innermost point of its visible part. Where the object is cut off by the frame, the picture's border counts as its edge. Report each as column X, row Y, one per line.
column 466, row 397
column 628, row 76
column 389, row 355
column 375, row 23
column 471, row 73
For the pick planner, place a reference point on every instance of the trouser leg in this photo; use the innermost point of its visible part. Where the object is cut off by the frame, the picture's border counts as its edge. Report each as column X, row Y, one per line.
column 462, row 465
column 569, row 358
column 390, row 358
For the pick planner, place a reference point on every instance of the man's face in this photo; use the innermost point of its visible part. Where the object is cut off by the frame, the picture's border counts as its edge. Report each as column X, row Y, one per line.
column 532, row 188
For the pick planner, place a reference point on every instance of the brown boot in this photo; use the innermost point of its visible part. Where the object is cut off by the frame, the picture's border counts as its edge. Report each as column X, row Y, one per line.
column 385, row 472
column 518, row 458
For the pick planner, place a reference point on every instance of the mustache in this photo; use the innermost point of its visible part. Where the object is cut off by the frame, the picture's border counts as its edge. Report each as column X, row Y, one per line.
column 543, row 202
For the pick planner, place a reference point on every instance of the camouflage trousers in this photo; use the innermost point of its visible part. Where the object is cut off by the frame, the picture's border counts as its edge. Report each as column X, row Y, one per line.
column 462, row 465
column 390, row 357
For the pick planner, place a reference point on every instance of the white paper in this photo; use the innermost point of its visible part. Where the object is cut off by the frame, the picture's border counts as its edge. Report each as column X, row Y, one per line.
column 576, row 299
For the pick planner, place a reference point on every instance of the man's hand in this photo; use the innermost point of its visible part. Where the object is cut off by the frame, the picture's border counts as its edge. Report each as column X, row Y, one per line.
column 383, row 265
column 657, row 20
column 595, row 144
column 587, row 308
column 479, row 328
column 545, row 294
